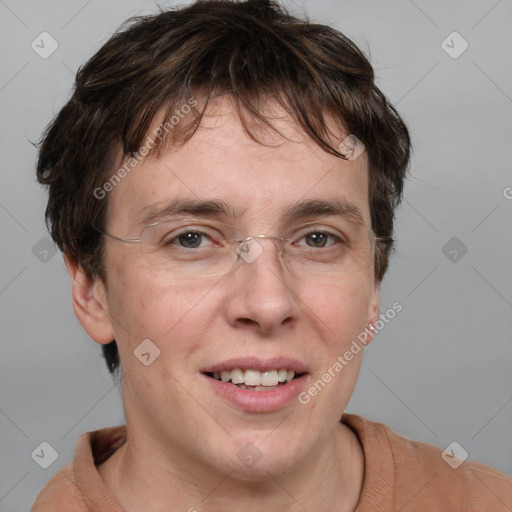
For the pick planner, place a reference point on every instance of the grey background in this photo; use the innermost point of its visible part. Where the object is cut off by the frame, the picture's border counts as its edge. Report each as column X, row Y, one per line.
column 439, row 371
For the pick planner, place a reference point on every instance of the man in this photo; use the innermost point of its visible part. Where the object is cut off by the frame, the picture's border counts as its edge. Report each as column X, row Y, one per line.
column 222, row 184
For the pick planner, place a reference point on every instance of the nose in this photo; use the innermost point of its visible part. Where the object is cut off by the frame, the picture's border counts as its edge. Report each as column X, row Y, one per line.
column 262, row 294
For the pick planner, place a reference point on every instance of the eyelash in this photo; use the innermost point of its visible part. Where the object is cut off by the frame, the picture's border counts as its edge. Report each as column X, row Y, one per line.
column 171, row 241
column 337, row 239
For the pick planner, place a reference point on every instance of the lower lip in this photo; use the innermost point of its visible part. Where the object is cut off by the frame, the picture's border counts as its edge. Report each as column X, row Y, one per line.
column 259, row 401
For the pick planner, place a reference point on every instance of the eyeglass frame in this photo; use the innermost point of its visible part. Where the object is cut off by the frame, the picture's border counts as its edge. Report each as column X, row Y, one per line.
column 246, row 240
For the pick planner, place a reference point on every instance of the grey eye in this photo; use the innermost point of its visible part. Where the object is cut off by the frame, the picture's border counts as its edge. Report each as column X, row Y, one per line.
column 190, row 240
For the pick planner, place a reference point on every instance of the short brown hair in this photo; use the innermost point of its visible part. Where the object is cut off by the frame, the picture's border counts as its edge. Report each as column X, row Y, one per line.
column 252, row 50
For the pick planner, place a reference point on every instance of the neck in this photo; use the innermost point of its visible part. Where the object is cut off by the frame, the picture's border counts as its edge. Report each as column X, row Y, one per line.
column 141, row 477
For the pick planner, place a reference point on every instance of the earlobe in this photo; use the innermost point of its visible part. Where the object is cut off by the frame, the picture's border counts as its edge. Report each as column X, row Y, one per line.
column 90, row 302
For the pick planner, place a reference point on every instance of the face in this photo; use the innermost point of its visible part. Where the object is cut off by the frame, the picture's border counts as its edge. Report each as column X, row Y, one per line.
column 261, row 315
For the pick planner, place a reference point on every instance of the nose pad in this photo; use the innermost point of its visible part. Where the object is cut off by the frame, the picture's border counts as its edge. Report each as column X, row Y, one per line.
column 249, row 249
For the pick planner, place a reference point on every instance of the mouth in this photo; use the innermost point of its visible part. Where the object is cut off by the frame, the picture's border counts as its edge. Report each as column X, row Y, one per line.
column 255, row 385
column 254, row 380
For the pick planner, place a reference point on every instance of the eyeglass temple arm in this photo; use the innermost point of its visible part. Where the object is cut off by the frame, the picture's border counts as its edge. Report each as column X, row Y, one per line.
column 386, row 240
column 124, row 240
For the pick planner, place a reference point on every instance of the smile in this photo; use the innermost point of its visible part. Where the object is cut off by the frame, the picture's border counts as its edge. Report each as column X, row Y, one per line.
column 251, row 384
column 254, row 380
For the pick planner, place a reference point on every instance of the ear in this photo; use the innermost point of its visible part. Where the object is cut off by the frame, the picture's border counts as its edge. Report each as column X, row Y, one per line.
column 90, row 302
column 374, row 308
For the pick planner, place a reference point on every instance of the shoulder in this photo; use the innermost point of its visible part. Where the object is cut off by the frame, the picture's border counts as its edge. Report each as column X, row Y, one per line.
column 425, row 480
column 446, row 480
column 60, row 493
column 78, row 487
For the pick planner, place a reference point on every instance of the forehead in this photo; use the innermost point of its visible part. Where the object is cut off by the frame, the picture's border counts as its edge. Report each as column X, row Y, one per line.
column 260, row 179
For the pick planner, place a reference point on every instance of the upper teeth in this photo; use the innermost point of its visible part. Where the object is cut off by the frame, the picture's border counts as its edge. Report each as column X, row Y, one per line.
column 254, row 377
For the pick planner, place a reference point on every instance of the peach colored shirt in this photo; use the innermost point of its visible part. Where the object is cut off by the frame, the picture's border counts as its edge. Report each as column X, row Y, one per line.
column 400, row 475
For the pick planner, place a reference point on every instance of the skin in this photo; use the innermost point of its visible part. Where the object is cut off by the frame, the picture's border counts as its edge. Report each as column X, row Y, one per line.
column 183, row 439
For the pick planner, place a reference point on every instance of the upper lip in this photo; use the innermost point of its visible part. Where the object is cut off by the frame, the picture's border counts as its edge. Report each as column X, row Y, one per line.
column 254, row 363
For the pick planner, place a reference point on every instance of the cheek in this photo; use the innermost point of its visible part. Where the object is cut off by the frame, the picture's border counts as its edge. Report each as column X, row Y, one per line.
column 340, row 315
column 147, row 307
column 340, row 309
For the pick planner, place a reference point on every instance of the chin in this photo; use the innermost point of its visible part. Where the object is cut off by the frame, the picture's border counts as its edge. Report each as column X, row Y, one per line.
column 262, row 470
column 258, row 460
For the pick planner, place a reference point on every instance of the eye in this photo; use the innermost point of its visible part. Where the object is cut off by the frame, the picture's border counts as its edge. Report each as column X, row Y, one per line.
column 191, row 239
column 319, row 239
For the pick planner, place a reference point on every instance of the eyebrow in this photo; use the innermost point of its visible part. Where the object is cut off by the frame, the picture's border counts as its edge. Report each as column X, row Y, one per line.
column 221, row 209
column 316, row 207
column 196, row 207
